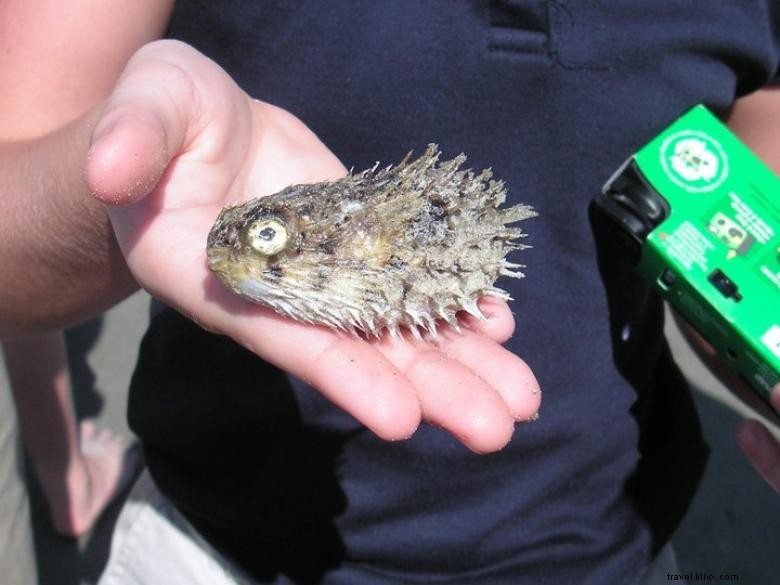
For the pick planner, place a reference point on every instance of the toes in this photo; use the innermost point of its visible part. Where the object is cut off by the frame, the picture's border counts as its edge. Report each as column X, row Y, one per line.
column 95, row 442
column 87, row 429
column 107, row 436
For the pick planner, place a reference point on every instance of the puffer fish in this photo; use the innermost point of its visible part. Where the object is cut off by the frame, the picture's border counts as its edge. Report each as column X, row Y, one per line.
column 406, row 246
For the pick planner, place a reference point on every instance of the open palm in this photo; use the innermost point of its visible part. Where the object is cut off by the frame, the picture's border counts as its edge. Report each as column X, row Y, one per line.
column 178, row 141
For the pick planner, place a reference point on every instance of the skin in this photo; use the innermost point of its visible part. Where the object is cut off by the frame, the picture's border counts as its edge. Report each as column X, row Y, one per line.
column 79, row 468
column 56, row 238
column 760, row 446
column 167, row 142
column 757, row 443
column 227, row 146
column 166, row 146
column 756, row 120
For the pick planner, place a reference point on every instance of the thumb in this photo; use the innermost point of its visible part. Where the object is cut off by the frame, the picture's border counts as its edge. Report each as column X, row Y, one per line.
column 144, row 124
column 774, row 397
column 761, row 449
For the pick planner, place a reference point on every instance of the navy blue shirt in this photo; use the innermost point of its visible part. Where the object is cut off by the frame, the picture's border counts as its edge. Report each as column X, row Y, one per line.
column 554, row 95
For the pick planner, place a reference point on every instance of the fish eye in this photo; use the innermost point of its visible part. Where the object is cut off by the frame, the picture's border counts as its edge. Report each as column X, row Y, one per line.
column 267, row 236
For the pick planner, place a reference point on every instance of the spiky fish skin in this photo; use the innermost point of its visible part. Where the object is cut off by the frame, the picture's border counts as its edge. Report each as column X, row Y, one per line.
column 399, row 247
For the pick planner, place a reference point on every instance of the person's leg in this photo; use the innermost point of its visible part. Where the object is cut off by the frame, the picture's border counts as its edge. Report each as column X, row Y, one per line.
column 80, row 468
column 17, row 557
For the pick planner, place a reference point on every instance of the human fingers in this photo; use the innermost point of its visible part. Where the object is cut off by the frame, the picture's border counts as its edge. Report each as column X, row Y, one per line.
column 388, row 392
column 167, row 255
column 166, row 96
column 459, row 384
column 498, row 323
column 345, row 369
column 774, row 397
column 453, row 397
column 164, row 245
column 759, row 446
column 501, row 369
column 360, row 380
column 761, row 449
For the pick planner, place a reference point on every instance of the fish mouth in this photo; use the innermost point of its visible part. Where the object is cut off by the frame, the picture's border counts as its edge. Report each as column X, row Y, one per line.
column 220, row 260
column 245, row 282
column 236, row 275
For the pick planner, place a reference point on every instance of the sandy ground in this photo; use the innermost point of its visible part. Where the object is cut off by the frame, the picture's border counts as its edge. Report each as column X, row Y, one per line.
column 732, row 528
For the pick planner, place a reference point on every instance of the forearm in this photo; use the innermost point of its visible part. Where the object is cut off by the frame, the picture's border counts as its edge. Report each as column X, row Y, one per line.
column 60, row 261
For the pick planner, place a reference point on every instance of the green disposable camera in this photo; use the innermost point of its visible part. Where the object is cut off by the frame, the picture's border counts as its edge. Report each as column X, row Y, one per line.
column 702, row 214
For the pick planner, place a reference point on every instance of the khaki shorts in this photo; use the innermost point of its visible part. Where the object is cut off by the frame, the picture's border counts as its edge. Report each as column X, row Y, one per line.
column 153, row 544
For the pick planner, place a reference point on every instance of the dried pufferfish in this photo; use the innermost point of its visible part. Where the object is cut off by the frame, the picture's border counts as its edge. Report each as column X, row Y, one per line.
column 381, row 249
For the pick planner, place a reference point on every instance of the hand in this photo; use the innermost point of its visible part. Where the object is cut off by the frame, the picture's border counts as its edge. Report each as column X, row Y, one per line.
column 754, row 439
column 760, row 447
column 177, row 141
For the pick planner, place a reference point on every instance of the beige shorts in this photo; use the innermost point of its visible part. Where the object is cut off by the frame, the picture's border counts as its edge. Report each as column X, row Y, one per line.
column 153, row 544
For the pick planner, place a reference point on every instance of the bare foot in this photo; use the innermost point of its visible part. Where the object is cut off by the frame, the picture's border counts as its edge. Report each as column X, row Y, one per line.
column 101, row 470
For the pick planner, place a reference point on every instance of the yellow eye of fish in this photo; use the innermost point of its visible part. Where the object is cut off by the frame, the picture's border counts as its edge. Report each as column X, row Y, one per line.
column 267, row 236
